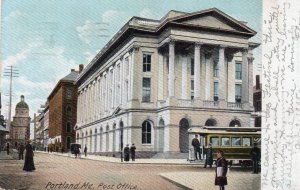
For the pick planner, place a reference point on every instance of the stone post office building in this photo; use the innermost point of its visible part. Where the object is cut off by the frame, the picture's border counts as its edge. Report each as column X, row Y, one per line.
column 157, row 78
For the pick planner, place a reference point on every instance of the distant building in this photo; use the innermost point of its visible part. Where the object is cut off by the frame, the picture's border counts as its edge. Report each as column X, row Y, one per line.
column 155, row 79
column 46, row 127
column 257, row 102
column 20, row 126
column 62, row 112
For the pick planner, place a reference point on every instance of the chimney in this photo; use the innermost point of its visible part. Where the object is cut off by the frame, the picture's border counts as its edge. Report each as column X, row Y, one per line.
column 257, row 86
column 72, row 70
column 80, row 68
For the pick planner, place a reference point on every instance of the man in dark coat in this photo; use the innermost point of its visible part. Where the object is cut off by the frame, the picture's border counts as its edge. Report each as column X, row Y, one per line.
column 255, row 155
column 7, row 148
column 28, row 164
column 21, row 151
column 209, row 156
column 132, row 152
column 126, row 153
column 196, row 145
column 85, row 150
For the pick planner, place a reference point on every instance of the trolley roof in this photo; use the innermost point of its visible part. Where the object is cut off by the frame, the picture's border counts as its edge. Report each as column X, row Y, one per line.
column 222, row 130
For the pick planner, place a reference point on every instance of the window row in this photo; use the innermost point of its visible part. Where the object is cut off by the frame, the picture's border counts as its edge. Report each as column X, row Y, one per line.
column 231, row 141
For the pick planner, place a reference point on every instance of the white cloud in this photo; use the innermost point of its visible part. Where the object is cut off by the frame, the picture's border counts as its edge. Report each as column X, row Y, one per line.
column 21, row 55
column 85, row 31
column 13, row 15
column 34, row 85
column 148, row 13
column 110, row 15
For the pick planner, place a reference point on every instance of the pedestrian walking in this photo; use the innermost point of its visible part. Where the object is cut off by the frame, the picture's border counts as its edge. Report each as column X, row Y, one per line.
column 85, row 150
column 197, row 149
column 28, row 164
column 132, row 152
column 208, row 156
column 21, row 151
column 76, row 150
column 7, row 148
column 221, row 170
column 255, row 156
column 126, row 153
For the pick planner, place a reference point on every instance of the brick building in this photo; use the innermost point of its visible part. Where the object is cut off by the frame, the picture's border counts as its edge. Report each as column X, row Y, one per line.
column 62, row 113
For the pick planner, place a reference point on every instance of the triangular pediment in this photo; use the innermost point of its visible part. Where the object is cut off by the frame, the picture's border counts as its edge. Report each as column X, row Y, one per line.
column 213, row 18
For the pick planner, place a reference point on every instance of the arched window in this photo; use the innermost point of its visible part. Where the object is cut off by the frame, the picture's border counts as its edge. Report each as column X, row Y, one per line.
column 69, row 110
column 68, row 127
column 95, row 131
column 146, row 132
column 211, row 122
column 161, row 122
column 235, row 123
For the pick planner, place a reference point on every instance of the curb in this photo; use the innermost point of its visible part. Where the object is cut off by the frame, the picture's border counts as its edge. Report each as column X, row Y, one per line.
column 175, row 183
column 119, row 162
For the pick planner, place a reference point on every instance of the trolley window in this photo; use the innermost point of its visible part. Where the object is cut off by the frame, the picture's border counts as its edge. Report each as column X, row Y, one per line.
column 235, row 141
column 257, row 140
column 225, row 141
column 214, row 141
column 246, row 141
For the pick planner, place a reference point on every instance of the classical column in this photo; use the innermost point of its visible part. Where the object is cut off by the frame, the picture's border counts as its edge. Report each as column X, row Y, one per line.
column 134, row 76
column 121, row 79
column 250, row 77
column 245, row 84
column 160, row 77
column 171, row 82
column 197, row 70
column 184, row 62
column 208, row 72
column 106, row 74
column 222, row 75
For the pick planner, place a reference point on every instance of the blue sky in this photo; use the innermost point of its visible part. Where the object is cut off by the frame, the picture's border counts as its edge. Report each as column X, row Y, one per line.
column 44, row 40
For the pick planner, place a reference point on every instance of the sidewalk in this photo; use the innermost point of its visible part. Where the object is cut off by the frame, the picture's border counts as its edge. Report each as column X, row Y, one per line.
column 137, row 161
column 205, row 180
column 4, row 156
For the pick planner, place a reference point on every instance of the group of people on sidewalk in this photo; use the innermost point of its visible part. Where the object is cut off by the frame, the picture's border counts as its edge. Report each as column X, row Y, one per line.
column 221, row 163
column 129, row 152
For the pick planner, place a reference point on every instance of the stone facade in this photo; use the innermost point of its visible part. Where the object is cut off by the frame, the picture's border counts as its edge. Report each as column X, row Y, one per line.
column 62, row 113
column 157, row 78
column 20, row 130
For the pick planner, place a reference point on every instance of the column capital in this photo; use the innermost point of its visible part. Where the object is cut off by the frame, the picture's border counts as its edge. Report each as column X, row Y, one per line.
column 198, row 44
column 172, row 42
column 134, row 49
column 222, row 46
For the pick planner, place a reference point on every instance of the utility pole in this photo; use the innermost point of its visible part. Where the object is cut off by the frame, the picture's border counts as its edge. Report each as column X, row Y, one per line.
column 11, row 72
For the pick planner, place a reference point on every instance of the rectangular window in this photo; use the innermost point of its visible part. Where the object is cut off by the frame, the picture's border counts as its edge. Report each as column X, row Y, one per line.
column 238, row 93
column 216, row 69
column 214, row 141
column 238, row 71
column 192, row 66
column 146, row 63
column 225, row 141
column 167, row 62
column 216, row 91
column 247, row 141
column 146, row 89
column 236, row 141
column 192, row 89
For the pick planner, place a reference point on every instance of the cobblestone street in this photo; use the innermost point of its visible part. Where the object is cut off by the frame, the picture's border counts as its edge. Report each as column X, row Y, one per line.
column 59, row 172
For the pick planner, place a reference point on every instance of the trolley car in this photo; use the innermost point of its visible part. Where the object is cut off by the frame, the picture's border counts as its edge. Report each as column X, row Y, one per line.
column 236, row 142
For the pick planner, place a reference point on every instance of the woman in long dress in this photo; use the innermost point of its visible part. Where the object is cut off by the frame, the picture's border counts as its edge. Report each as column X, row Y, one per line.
column 29, row 164
column 221, row 170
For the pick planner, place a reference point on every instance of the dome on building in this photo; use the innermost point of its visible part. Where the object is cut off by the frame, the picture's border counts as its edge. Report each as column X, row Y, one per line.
column 22, row 104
